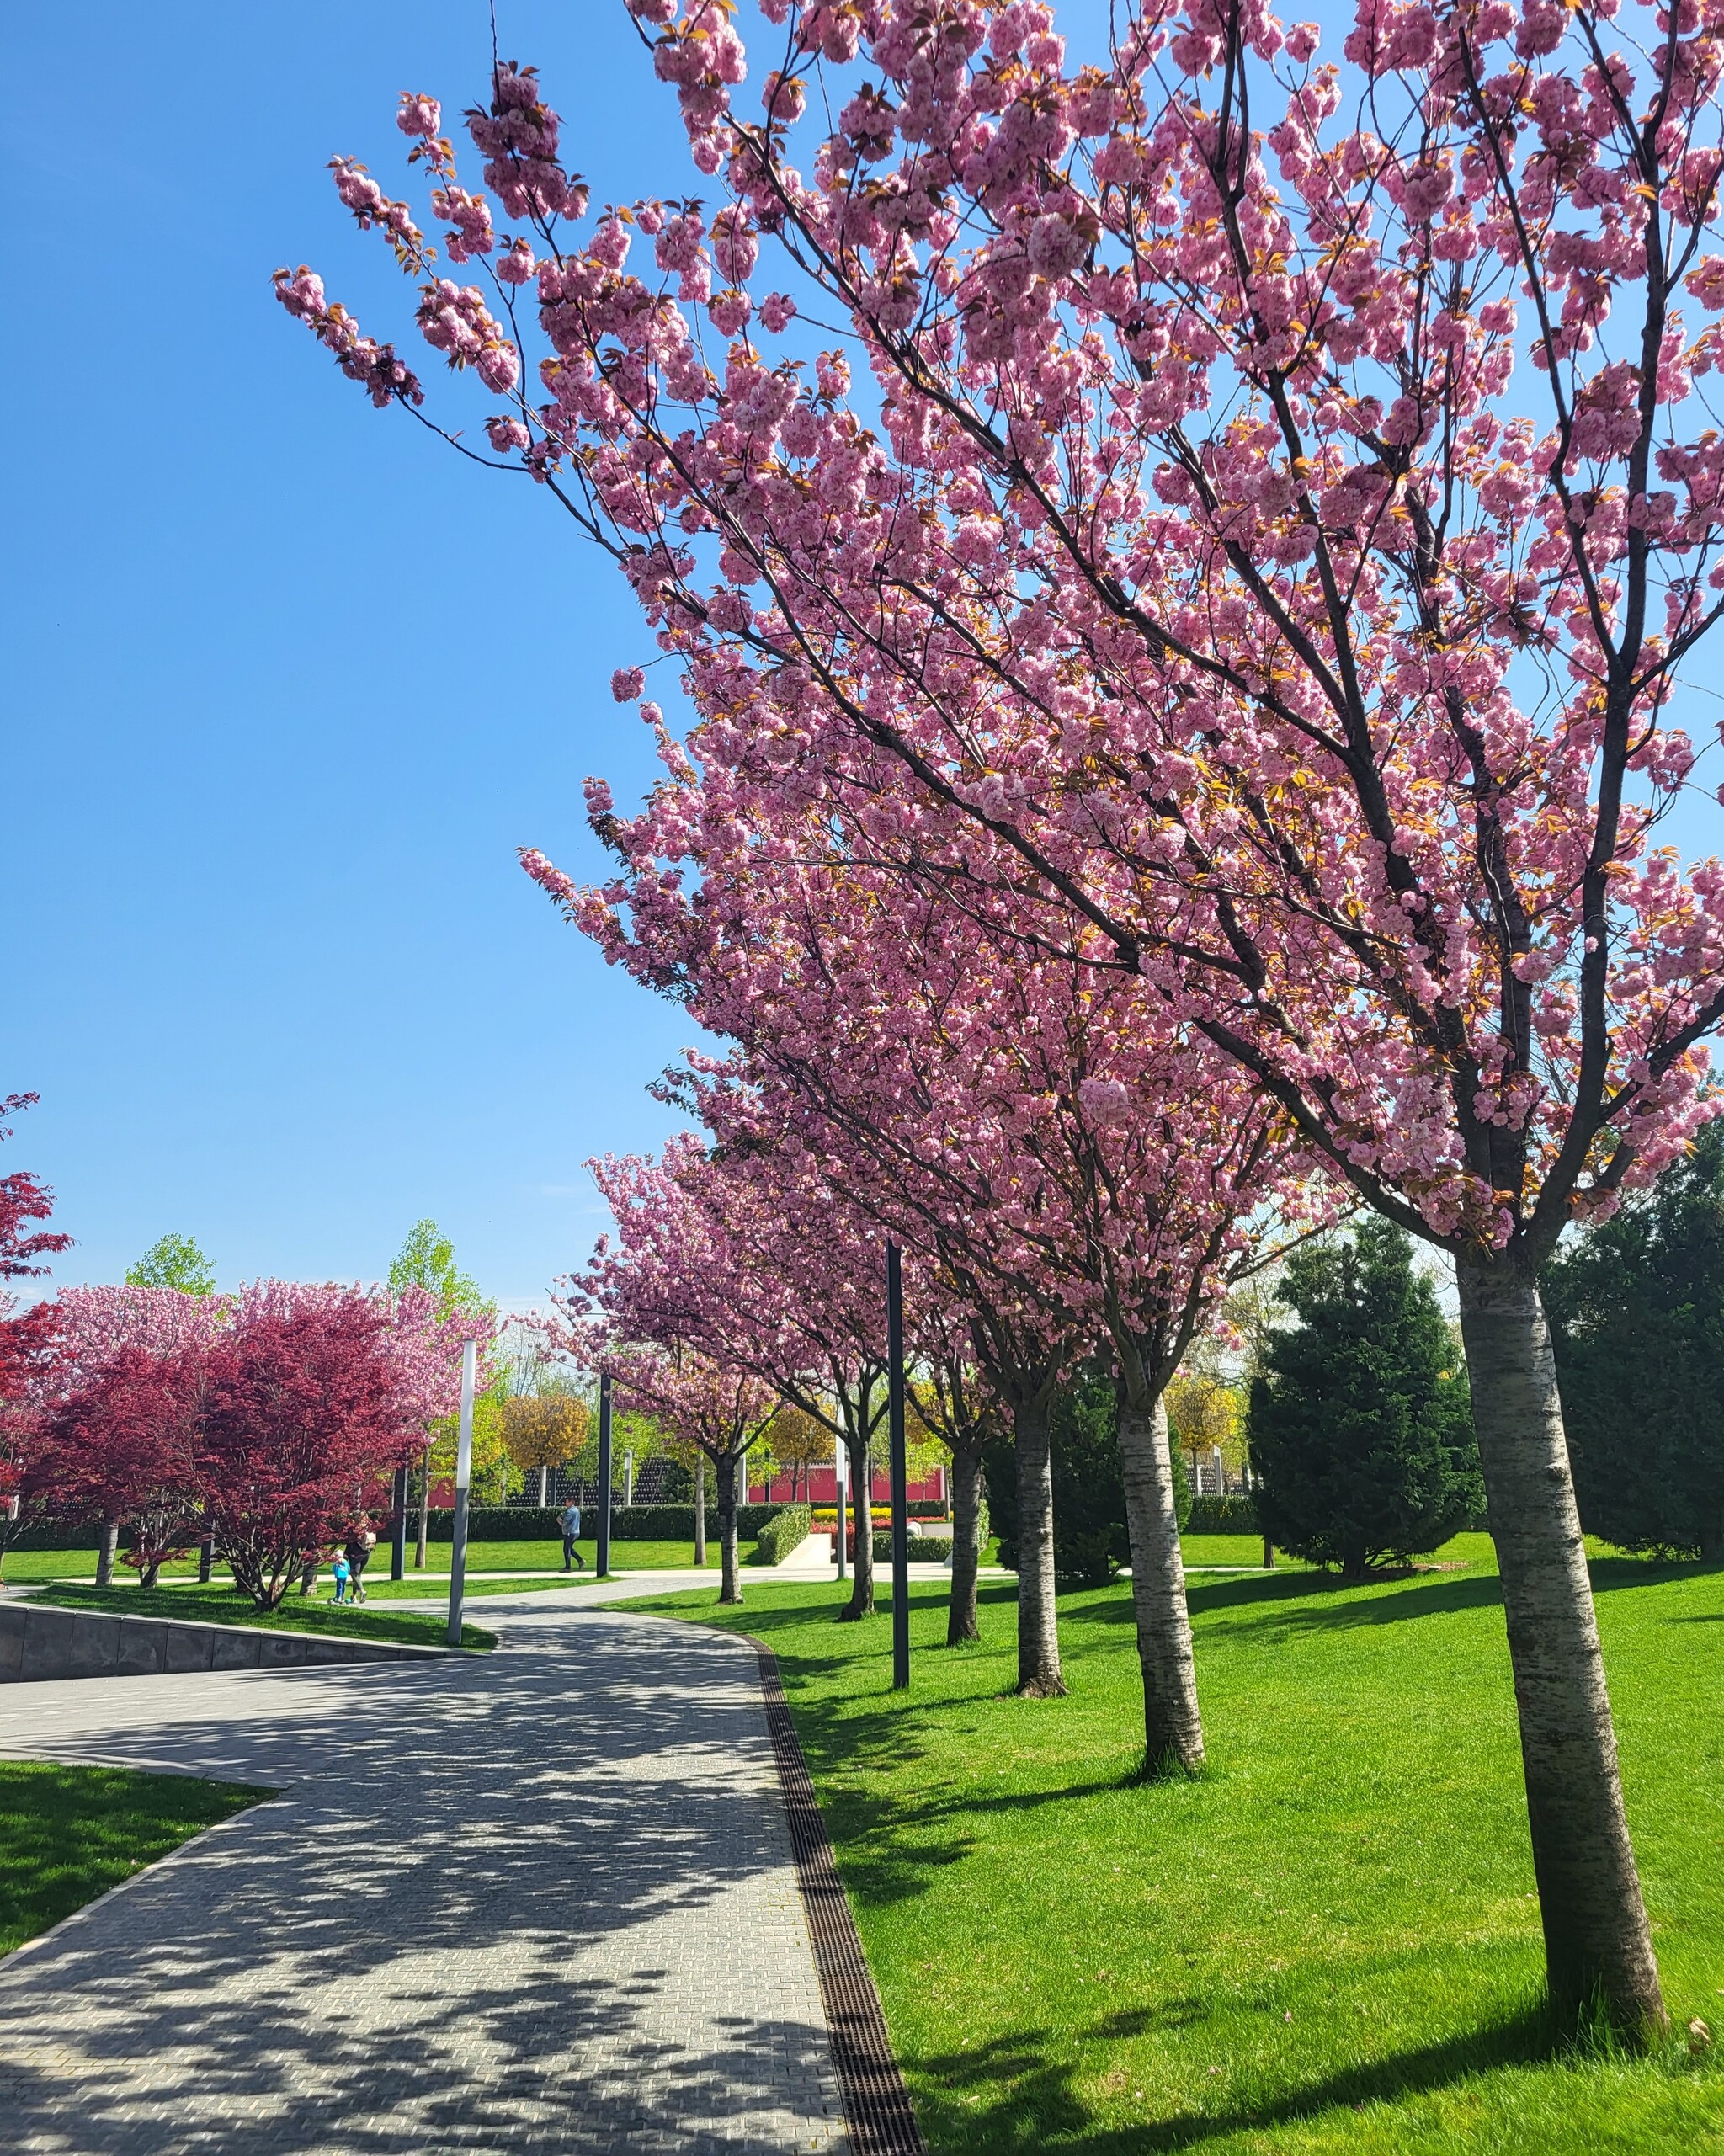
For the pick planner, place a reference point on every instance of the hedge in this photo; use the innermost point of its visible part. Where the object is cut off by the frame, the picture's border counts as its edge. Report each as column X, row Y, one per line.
column 628, row 1523
column 49, row 1536
column 788, row 1529
column 924, row 1549
column 1236, row 1514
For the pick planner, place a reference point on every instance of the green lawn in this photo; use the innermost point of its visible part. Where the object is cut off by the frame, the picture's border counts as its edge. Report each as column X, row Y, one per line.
column 69, row 1833
column 1329, row 1943
column 223, row 1605
column 25, row 1568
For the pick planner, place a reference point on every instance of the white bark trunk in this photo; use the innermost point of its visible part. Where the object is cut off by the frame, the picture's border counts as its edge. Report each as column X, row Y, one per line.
column 1172, row 1723
column 730, row 1582
column 104, row 1555
column 1597, row 1946
column 701, row 1510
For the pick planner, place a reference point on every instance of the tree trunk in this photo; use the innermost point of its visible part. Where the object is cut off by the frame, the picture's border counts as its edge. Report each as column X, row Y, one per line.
column 1172, row 1723
column 1712, row 1539
column 966, row 1543
column 1039, row 1676
column 1269, row 1554
column 425, row 1509
column 861, row 1601
column 206, row 1560
column 1597, row 1946
column 104, row 1555
column 543, row 1485
column 730, row 1584
column 701, row 1510
column 151, row 1573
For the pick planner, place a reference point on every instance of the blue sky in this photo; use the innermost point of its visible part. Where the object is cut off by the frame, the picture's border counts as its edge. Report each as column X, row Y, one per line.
column 288, row 682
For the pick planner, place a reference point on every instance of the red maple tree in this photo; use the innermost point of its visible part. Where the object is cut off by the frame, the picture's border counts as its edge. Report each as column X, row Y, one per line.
column 302, row 1415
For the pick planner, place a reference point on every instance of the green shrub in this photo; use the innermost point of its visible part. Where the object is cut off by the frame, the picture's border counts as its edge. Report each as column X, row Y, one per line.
column 787, row 1530
column 1236, row 1514
column 924, row 1549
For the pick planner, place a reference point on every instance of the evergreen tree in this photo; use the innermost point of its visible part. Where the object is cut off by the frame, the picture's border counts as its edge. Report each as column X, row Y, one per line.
column 1361, row 1423
column 174, row 1262
column 1637, row 1312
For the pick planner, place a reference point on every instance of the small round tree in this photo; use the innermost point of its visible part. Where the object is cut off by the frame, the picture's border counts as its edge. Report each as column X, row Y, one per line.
column 1361, row 1423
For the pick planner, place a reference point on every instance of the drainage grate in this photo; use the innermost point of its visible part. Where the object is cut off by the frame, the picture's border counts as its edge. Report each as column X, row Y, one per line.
column 877, row 2102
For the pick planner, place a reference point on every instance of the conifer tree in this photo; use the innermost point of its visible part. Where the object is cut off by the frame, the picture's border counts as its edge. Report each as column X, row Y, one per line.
column 1360, row 1422
column 1636, row 1309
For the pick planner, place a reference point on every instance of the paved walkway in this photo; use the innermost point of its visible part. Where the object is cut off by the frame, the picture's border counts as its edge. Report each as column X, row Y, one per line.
column 538, row 1900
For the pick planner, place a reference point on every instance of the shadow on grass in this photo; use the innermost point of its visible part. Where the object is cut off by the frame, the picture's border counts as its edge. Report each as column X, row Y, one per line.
column 1005, row 2094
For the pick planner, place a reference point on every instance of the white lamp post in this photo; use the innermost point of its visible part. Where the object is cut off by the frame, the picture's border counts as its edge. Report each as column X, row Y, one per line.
column 838, row 1460
column 463, row 1477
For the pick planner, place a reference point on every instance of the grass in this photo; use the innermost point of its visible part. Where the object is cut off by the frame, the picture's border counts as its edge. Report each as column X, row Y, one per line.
column 26, row 1568
column 69, row 1833
column 224, row 1605
column 1329, row 1942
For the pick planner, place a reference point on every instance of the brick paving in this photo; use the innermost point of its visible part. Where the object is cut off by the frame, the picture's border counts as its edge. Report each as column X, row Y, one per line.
column 539, row 1901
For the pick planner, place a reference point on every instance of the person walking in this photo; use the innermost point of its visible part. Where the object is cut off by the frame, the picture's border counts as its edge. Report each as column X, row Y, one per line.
column 360, row 1545
column 571, row 1531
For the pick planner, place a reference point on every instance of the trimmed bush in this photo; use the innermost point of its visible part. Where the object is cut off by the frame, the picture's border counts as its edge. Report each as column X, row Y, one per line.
column 56, row 1535
column 787, row 1530
column 924, row 1549
column 1223, row 1515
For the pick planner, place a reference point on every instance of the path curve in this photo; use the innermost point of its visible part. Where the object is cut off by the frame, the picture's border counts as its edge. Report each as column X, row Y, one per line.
column 538, row 1900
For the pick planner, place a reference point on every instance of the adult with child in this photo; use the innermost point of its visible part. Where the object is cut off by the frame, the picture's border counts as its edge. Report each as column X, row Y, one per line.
column 360, row 1543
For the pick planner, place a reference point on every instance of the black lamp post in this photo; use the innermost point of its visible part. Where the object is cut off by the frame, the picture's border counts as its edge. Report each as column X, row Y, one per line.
column 901, row 1506
column 399, row 1527
column 605, row 1475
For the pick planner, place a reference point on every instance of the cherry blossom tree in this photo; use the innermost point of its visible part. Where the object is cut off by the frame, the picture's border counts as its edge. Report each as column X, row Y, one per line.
column 29, row 1340
column 760, row 1261
column 719, row 1408
column 1280, row 503
column 950, row 1399
column 1080, row 1181
column 107, row 1337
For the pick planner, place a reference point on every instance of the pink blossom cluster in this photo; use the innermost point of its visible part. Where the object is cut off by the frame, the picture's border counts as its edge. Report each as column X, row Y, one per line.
column 1179, row 579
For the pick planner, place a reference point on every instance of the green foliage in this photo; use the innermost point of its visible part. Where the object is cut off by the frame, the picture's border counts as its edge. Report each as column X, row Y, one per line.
column 1327, row 1945
column 1091, row 1541
column 426, row 1260
column 924, row 1549
column 174, row 1262
column 1234, row 1515
column 787, row 1530
column 69, row 1833
column 1636, row 1312
column 1360, row 1421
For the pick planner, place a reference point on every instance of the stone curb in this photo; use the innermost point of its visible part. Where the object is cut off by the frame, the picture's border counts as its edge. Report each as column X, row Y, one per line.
column 877, row 2102
column 40, row 1643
